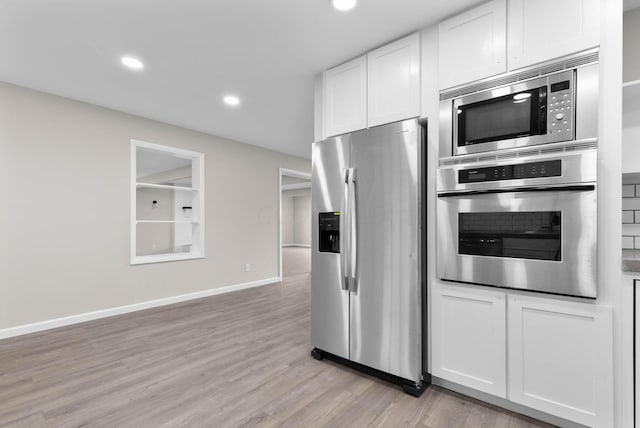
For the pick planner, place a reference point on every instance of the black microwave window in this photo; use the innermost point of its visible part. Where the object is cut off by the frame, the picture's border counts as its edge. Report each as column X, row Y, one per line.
column 523, row 235
column 510, row 116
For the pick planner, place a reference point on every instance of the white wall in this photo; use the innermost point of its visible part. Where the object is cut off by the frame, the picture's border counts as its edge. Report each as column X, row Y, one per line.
column 64, row 169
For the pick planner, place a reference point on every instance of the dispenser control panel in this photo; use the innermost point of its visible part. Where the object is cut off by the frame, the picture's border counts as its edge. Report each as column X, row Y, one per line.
column 329, row 231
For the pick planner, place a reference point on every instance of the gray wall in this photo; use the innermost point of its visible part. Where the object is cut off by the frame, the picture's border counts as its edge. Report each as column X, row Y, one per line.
column 296, row 217
column 64, row 169
column 287, row 219
column 631, row 46
column 302, row 222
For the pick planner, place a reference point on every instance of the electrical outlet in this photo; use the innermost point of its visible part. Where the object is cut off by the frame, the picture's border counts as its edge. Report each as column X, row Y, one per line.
column 247, row 267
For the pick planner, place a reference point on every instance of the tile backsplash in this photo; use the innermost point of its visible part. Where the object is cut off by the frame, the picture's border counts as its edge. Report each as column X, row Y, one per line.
column 631, row 216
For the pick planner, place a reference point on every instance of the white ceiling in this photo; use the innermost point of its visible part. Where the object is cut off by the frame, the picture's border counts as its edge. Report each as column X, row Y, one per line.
column 195, row 51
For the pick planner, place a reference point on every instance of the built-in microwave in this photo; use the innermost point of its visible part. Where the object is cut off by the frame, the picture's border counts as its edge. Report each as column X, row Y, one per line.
column 551, row 103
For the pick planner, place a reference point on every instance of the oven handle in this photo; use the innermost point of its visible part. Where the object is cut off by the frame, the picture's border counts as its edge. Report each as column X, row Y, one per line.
column 575, row 188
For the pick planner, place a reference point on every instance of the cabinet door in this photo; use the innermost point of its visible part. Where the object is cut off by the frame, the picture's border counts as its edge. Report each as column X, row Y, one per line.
column 545, row 29
column 472, row 45
column 345, row 97
column 560, row 358
column 468, row 337
column 393, row 81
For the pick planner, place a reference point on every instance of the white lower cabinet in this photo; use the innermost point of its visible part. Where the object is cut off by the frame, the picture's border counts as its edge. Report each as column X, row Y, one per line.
column 560, row 358
column 546, row 353
column 469, row 337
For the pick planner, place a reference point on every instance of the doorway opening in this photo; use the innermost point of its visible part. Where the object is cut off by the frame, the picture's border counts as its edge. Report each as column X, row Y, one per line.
column 295, row 223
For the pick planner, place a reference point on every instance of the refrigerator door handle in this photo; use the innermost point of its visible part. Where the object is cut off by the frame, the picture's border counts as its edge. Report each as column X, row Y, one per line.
column 353, row 234
column 344, row 240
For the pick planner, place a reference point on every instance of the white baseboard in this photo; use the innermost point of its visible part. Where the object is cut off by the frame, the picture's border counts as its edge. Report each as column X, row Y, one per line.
column 119, row 310
column 297, row 245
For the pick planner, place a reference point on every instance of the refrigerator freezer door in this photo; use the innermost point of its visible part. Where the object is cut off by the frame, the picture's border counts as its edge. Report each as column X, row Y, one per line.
column 385, row 312
column 329, row 297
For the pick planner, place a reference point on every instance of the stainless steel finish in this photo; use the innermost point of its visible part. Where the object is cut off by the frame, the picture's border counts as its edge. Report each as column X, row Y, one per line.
column 587, row 87
column 353, row 232
column 550, row 137
column 582, row 119
column 574, row 275
column 385, row 310
column 329, row 303
column 445, row 135
column 344, row 221
column 519, row 152
column 577, row 60
column 577, row 167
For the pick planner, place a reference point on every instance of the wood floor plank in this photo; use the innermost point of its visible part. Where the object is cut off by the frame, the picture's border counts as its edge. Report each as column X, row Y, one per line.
column 233, row 360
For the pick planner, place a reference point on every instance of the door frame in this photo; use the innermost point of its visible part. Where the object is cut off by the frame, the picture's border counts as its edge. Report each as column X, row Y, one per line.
column 289, row 173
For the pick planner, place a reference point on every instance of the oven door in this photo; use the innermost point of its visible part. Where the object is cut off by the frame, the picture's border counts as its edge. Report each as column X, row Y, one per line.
column 535, row 238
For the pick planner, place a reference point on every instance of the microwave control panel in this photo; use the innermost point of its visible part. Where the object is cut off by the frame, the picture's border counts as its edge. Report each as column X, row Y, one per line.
column 560, row 115
column 552, row 168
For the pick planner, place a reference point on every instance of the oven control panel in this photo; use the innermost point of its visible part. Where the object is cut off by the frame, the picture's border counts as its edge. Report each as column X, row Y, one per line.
column 552, row 168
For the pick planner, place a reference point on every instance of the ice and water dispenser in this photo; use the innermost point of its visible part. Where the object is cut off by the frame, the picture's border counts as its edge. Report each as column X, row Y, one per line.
column 329, row 228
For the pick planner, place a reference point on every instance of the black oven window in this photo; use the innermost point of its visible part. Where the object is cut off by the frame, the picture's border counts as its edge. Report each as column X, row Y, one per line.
column 524, row 235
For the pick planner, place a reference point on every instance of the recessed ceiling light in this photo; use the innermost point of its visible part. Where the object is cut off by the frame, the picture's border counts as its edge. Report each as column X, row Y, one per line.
column 231, row 100
column 344, row 4
column 131, row 62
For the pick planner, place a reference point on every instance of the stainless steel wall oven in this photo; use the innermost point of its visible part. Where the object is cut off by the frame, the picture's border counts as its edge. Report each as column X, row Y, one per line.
column 523, row 222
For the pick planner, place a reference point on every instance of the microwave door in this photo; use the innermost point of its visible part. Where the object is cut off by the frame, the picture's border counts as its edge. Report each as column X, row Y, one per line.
column 526, row 113
column 532, row 239
column 513, row 116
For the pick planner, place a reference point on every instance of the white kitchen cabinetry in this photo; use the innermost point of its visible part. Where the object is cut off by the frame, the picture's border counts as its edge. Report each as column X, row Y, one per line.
column 345, row 97
column 560, row 358
column 468, row 337
column 393, row 81
column 541, row 30
column 472, row 45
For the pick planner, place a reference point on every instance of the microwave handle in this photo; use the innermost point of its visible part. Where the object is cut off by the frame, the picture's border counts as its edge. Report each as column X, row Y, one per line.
column 543, row 110
column 574, row 188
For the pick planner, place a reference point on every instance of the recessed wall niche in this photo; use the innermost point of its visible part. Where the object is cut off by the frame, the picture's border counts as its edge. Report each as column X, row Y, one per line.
column 167, row 203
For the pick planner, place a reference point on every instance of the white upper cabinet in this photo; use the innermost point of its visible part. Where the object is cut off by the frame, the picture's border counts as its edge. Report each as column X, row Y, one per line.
column 540, row 30
column 468, row 337
column 345, row 97
column 560, row 359
column 394, row 81
column 472, row 45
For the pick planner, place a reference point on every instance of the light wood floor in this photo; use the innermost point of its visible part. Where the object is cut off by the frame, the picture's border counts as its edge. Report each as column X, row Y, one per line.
column 239, row 359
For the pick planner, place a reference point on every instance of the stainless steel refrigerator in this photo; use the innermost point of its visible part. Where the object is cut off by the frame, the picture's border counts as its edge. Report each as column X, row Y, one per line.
column 368, row 307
